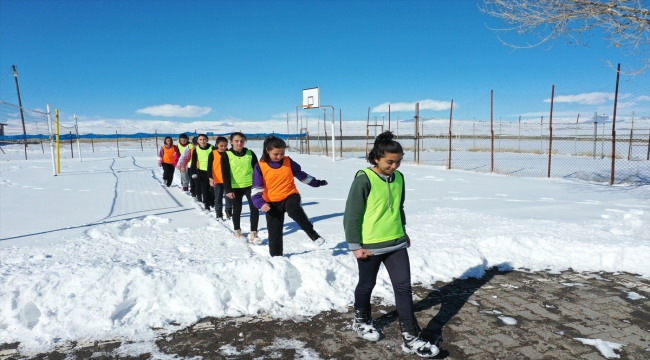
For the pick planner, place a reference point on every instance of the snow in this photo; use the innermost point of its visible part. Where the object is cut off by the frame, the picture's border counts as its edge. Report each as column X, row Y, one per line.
column 103, row 251
column 606, row 348
column 634, row 296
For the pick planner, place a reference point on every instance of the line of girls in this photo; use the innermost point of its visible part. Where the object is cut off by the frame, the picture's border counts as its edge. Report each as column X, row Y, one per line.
column 374, row 220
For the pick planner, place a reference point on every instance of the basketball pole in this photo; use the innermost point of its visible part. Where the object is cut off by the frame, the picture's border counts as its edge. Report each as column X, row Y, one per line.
column 333, row 135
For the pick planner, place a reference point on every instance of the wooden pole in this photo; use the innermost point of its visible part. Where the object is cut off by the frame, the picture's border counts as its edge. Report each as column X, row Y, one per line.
column 550, row 132
column 618, row 74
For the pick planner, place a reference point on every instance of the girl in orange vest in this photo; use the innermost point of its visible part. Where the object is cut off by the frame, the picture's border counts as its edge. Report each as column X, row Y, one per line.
column 275, row 193
column 167, row 157
column 216, row 181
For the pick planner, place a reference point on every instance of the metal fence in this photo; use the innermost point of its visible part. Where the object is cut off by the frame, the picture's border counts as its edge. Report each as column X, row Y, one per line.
column 538, row 135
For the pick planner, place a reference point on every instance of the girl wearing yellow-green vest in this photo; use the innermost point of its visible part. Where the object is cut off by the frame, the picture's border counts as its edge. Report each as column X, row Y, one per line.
column 237, row 165
column 374, row 223
column 201, row 171
column 183, row 146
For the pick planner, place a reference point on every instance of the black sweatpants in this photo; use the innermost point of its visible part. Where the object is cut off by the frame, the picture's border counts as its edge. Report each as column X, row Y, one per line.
column 168, row 173
column 399, row 269
column 195, row 185
column 207, row 196
column 275, row 221
column 237, row 206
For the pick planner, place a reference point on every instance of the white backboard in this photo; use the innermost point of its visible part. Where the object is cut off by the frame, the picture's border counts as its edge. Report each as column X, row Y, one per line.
column 310, row 98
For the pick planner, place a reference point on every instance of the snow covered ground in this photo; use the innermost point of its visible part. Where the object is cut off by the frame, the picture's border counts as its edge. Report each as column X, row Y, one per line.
column 103, row 251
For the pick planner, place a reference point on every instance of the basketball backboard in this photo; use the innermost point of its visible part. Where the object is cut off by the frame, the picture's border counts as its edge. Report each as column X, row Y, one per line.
column 311, row 98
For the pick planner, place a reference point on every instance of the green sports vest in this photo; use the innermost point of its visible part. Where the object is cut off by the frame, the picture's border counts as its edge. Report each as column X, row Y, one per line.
column 202, row 157
column 382, row 219
column 241, row 170
column 181, row 148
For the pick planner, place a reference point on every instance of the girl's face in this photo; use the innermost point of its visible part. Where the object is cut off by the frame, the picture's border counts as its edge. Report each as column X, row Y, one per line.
column 168, row 141
column 388, row 164
column 276, row 154
column 222, row 146
column 238, row 143
column 202, row 141
column 182, row 141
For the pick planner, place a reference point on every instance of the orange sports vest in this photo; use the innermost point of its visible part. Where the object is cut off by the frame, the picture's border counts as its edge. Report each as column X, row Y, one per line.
column 279, row 182
column 168, row 154
column 216, row 167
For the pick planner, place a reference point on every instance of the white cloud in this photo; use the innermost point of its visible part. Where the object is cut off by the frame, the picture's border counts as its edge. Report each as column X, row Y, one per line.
column 643, row 98
column 427, row 104
column 170, row 110
column 593, row 98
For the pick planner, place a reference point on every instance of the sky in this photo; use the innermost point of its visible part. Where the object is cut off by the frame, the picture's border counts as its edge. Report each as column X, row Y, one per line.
column 250, row 60
column 164, row 263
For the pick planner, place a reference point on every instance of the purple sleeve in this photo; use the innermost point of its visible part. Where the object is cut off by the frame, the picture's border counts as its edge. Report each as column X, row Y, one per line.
column 160, row 152
column 258, row 187
column 302, row 176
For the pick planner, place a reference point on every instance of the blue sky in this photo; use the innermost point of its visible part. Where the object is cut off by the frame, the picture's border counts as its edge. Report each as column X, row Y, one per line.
column 250, row 60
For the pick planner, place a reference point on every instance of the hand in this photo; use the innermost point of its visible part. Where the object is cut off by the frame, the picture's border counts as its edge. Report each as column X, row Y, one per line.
column 362, row 253
column 159, row 163
column 212, row 182
column 266, row 207
column 230, row 195
column 195, row 176
column 408, row 240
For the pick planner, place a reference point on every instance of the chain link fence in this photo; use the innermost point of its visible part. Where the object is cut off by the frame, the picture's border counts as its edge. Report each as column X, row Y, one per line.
column 532, row 135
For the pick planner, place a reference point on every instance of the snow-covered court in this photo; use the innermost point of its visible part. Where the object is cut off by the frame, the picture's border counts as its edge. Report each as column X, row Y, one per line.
column 104, row 251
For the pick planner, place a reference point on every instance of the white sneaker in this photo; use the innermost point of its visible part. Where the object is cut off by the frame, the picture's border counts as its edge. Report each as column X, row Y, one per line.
column 254, row 239
column 320, row 241
column 238, row 234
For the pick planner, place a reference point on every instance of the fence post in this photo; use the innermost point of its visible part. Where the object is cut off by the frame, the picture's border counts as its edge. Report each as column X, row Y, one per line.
column 92, row 144
column 629, row 149
column 141, row 147
column 550, row 132
column 595, row 133
column 648, row 156
column 451, row 110
column 341, row 129
column 618, row 73
column 156, row 132
column 519, row 136
column 71, row 151
column 491, row 131
column 117, row 141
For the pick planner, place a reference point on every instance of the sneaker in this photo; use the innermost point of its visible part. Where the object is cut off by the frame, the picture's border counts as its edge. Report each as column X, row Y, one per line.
column 363, row 325
column 254, row 239
column 238, row 234
column 320, row 241
column 207, row 208
column 219, row 216
column 185, row 188
column 412, row 343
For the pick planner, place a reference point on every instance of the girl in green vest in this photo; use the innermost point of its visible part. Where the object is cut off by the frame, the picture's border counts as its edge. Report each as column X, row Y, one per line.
column 374, row 223
column 201, row 171
column 237, row 165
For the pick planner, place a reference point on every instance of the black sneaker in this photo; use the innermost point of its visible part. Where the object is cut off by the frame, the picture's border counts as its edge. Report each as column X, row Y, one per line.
column 220, row 215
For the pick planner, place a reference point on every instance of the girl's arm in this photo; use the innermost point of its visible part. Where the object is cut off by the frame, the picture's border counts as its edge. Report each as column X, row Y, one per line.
column 258, row 187
column 182, row 162
column 225, row 172
column 210, row 161
column 193, row 166
column 354, row 210
column 303, row 177
column 177, row 155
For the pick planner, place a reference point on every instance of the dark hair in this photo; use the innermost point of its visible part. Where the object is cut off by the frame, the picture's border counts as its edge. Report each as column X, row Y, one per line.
column 168, row 137
column 194, row 140
column 183, row 136
column 220, row 139
column 237, row 133
column 384, row 143
column 204, row 135
column 271, row 142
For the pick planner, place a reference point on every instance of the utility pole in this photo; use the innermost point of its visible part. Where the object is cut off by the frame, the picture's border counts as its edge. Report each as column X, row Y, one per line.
column 20, row 104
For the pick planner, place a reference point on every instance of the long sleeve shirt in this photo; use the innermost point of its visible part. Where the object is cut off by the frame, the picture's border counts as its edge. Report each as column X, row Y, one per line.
column 355, row 208
column 225, row 166
column 259, row 184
